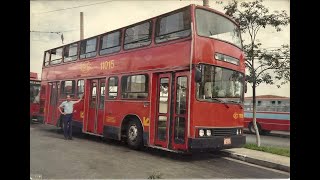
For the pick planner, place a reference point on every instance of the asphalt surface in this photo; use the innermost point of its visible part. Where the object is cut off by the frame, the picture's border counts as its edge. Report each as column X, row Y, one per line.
column 88, row 156
column 269, row 140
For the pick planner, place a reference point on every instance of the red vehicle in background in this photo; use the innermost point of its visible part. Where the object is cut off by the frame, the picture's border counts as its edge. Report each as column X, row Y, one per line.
column 273, row 114
column 34, row 96
column 173, row 82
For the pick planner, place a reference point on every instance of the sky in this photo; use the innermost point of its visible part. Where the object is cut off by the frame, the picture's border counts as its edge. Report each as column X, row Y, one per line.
column 103, row 16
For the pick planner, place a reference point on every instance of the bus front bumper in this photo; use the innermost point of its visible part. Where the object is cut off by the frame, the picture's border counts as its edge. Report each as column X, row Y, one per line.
column 216, row 143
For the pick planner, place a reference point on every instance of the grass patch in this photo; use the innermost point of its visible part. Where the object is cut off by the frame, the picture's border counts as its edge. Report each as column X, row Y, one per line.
column 269, row 149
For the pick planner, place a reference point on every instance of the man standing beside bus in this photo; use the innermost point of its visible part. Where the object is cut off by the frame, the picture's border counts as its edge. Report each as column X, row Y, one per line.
column 67, row 116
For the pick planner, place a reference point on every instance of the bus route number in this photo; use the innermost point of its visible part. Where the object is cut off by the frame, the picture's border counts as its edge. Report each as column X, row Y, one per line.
column 107, row 65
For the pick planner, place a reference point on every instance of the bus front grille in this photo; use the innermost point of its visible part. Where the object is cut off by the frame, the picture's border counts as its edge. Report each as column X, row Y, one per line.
column 224, row 131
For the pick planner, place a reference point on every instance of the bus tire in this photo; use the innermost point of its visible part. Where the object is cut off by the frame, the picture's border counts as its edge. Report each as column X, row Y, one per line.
column 134, row 134
column 252, row 130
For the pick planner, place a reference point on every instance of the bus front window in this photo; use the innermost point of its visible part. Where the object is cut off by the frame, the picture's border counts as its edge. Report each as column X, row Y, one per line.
column 215, row 26
column 221, row 83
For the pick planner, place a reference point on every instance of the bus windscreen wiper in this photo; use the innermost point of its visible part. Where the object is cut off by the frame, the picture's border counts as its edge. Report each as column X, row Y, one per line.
column 223, row 102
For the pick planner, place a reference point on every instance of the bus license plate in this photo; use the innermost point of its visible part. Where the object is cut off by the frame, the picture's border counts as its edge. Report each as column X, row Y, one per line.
column 227, row 141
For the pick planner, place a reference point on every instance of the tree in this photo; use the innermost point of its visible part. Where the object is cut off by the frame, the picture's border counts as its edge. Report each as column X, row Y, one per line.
column 271, row 65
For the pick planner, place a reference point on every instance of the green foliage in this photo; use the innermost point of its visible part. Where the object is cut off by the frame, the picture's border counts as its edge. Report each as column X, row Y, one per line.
column 269, row 149
column 252, row 16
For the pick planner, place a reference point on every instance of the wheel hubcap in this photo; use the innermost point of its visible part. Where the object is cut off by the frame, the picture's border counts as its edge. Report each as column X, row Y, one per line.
column 133, row 132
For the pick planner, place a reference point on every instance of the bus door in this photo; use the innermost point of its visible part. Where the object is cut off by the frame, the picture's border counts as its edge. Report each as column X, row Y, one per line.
column 52, row 115
column 171, row 115
column 179, row 116
column 94, row 122
column 163, row 110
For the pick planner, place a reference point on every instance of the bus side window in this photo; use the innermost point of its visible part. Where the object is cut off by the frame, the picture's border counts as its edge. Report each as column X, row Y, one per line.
column 110, row 43
column 56, row 56
column 112, row 87
column 173, row 26
column 138, row 35
column 46, row 58
column 88, row 48
column 134, row 87
column 80, row 88
column 67, row 88
column 70, row 52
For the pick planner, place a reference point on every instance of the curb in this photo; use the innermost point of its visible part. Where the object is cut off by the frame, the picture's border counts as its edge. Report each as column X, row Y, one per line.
column 259, row 162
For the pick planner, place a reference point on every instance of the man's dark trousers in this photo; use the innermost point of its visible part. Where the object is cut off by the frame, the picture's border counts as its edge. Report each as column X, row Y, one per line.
column 67, row 123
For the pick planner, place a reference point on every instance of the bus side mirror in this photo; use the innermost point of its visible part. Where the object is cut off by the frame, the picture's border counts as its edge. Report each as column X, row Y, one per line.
column 198, row 75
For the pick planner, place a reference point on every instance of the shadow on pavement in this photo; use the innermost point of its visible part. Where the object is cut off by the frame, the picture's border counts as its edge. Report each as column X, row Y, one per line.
column 55, row 132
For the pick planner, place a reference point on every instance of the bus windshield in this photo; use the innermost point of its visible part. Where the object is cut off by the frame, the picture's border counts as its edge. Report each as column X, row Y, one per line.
column 212, row 25
column 220, row 84
column 34, row 92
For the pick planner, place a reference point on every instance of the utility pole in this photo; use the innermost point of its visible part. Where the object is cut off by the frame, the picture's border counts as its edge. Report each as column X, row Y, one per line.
column 81, row 25
column 206, row 3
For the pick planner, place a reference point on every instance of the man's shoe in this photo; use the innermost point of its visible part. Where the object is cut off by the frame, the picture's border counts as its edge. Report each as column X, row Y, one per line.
column 70, row 138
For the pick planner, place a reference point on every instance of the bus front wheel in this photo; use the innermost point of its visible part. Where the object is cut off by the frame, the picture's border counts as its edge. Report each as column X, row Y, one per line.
column 134, row 134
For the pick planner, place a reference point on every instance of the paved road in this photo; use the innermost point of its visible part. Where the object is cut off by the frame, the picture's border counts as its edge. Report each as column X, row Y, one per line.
column 282, row 142
column 89, row 157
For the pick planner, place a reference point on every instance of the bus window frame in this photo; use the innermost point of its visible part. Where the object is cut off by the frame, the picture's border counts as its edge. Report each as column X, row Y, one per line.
column 61, row 87
column 96, row 48
column 77, row 90
column 118, row 86
column 78, row 52
column 62, row 59
column 120, row 39
column 147, row 88
column 44, row 58
column 169, row 14
column 220, row 14
column 139, row 23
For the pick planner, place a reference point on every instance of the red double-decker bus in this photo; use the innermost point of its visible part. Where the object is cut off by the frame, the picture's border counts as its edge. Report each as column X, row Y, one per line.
column 174, row 82
column 34, row 96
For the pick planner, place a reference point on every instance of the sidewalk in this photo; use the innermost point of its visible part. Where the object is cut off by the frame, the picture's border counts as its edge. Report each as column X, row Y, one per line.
column 260, row 158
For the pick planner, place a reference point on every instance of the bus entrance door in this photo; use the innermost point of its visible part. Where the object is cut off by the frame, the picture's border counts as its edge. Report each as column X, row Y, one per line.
column 94, row 121
column 171, row 115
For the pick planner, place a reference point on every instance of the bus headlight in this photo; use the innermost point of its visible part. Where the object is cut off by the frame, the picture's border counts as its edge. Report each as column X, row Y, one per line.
column 201, row 132
column 208, row 132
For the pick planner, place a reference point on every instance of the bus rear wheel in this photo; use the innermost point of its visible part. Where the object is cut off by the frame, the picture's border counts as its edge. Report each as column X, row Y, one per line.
column 134, row 134
column 252, row 130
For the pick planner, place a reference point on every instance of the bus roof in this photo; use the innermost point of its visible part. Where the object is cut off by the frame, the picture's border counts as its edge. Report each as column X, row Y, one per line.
column 199, row 6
